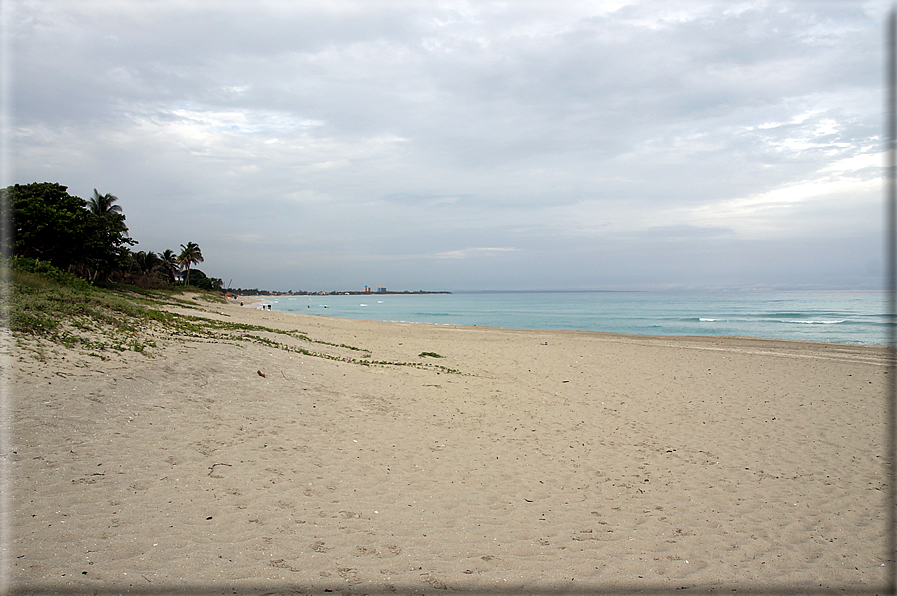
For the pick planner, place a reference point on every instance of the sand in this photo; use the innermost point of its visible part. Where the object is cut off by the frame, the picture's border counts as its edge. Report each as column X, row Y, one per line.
column 551, row 461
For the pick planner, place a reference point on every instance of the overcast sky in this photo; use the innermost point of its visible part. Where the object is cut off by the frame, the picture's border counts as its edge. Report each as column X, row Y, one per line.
column 444, row 145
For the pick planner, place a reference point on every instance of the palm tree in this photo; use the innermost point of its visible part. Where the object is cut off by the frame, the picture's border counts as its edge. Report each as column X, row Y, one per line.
column 103, row 205
column 169, row 263
column 109, row 235
column 146, row 262
column 190, row 255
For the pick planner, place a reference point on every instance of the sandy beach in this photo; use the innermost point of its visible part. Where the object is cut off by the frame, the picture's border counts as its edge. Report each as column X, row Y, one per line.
column 530, row 462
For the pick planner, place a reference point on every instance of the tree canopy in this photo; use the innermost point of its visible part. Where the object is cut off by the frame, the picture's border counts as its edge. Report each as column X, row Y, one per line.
column 191, row 254
column 49, row 224
column 88, row 238
column 103, row 205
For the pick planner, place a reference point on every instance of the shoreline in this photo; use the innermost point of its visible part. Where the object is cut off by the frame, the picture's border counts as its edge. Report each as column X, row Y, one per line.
column 551, row 459
column 829, row 319
column 699, row 338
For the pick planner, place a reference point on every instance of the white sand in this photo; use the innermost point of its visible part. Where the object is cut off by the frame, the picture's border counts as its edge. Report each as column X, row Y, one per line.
column 553, row 460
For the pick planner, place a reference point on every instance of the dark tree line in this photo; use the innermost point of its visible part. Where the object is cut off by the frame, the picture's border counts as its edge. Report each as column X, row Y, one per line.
column 90, row 239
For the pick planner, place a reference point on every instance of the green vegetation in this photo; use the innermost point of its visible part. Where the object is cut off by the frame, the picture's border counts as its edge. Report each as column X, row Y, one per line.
column 51, row 304
column 190, row 255
column 75, row 282
column 54, row 306
column 430, row 354
column 51, row 225
column 89, row 239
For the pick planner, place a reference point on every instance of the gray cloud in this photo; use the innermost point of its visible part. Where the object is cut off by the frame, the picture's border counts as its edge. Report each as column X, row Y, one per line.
column 308, row 145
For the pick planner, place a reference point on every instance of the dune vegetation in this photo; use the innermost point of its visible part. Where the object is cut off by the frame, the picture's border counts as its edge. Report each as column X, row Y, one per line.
column 48, row 306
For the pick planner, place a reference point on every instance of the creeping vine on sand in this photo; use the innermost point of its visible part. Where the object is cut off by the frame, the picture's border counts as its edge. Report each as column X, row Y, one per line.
column 69, row 312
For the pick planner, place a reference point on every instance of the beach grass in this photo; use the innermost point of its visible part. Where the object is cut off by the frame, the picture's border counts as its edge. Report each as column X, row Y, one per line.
column 56, row 308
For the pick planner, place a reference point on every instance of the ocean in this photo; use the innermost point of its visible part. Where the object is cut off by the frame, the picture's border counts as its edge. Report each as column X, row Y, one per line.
column 852, row 317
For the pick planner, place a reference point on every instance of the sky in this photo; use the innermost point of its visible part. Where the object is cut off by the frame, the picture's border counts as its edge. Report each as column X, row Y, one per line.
column 462, row 146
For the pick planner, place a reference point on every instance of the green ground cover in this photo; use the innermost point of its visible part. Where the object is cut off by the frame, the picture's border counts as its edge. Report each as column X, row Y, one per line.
column 55, row 307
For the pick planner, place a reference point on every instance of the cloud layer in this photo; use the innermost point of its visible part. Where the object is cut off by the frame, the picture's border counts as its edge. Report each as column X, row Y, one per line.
column 468, row 145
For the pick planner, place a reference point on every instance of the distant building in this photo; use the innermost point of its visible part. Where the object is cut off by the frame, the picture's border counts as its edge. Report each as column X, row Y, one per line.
column 178, row 277
column 381, row 290
column 367, row 290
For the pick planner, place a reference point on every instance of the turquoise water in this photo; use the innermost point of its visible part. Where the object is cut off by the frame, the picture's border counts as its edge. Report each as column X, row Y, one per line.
column 842, row 317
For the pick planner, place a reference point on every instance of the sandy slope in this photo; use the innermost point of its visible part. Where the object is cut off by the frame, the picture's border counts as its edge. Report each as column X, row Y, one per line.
column 554, row 460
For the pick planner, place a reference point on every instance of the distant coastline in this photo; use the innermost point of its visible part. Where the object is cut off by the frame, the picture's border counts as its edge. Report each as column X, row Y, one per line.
column 256, row 292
